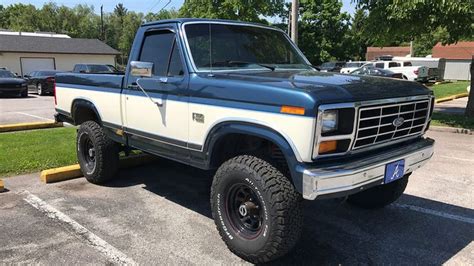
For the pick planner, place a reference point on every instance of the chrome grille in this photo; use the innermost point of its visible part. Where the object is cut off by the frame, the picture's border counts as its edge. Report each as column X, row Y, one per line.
column 376, row 123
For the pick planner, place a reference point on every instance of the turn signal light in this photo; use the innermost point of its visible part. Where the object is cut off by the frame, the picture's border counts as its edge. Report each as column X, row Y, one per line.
column 292, row 110
column 327, row 146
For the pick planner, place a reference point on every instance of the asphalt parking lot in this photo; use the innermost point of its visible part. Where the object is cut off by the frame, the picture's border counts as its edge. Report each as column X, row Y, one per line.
column 34, row 108
column 160, row 213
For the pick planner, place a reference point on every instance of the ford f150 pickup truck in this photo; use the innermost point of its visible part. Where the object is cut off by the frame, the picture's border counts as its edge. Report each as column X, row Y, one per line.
column 241, row 99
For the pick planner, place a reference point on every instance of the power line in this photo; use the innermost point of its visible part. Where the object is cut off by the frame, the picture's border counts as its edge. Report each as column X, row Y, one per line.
column 152, row 7
column 169, row 1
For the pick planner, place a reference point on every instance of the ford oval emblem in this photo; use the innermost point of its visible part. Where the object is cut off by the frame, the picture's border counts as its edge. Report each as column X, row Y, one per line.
column 398, row 121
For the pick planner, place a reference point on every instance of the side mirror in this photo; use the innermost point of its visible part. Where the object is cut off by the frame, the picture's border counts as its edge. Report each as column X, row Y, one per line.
column 141, row 69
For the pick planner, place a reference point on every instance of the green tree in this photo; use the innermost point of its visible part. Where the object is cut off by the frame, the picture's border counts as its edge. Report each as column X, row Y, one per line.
column 358, row 40
column 21, row 17
column 245, row 10
column 131, row 23
column 450, row 21
column 404, row 20
column 323, row 30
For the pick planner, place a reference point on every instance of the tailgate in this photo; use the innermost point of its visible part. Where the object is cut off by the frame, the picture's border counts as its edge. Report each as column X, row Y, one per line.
column 423, row 72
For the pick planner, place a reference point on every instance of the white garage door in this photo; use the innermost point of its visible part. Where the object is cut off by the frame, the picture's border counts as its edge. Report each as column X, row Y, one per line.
column 29, row 65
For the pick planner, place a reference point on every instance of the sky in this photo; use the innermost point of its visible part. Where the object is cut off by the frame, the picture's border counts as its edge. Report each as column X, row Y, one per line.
column 134, row 5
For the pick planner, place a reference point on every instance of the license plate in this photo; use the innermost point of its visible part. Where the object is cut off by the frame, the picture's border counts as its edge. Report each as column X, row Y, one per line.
column 394, row 171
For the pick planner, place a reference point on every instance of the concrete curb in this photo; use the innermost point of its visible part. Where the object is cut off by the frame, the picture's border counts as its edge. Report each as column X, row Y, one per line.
column 452, row 130
column 2, row 188
column 74, row 171
column 450, row 98
column 27, row 126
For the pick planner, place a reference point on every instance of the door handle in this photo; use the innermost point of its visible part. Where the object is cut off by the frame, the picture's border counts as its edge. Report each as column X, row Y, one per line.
column 158, row 103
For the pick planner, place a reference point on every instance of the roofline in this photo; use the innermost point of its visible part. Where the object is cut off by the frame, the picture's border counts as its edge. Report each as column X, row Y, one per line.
column 32, row 52
column 204, row 20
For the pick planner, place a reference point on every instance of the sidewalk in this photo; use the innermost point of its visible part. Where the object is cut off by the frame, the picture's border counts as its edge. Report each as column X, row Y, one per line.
column 456, row 106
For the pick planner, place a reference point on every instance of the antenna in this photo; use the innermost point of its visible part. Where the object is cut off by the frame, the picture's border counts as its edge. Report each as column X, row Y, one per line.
column 210, row 49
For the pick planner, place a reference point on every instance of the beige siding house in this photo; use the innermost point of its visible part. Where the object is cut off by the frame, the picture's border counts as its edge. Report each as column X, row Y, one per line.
column 23, row 54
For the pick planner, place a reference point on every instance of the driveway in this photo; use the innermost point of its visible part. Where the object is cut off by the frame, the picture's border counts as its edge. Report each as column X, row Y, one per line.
column 34, row 108
column 160, row 214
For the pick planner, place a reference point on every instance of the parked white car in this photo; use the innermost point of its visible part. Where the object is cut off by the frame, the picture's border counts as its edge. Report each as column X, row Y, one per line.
column 409, row 72
column 351, row 66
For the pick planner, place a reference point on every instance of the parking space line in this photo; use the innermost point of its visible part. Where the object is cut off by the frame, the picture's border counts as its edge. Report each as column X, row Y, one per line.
column 435, row 213
column 35, row 116
column 93, row 240
column 457, row 158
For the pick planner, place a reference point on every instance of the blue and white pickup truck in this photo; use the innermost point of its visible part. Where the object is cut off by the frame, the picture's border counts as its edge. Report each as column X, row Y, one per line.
column 242, row 99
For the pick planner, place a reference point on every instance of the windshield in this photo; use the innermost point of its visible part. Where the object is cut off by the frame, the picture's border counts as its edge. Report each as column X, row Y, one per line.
column 6, row 74
column 48, row 73
column 353, row 64
column 241, row 47
column 100, row 69
column 328, row 65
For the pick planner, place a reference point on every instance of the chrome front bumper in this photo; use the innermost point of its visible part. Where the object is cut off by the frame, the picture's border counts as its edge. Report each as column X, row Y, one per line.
column 348, row 177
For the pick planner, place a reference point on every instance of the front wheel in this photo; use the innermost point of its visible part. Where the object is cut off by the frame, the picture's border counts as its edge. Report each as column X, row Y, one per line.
column 98, row 155
column 379, row 196
column 256, row 209
column 39, row 86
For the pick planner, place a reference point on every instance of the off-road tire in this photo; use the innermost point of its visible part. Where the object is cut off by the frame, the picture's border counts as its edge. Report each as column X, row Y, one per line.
column 106, row 159
column 379, row 196
column 281, row 204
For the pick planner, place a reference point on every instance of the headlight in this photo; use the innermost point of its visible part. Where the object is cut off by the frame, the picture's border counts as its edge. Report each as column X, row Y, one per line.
column 329, row 121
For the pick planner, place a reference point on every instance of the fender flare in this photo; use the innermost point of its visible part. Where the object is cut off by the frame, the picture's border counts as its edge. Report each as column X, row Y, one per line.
column 85, row 104
column 234, row 127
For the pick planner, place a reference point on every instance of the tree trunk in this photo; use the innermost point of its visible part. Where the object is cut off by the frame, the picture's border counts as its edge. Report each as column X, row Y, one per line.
column 470, row 101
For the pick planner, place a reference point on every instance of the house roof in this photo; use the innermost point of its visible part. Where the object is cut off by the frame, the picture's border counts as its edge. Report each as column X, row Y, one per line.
column 460, row 50
column 35, row 44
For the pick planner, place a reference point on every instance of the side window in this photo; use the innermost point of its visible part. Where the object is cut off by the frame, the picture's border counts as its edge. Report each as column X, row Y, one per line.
column 393, row 64
column 379, row 65
column 156, row 48
column 175, row 66
column 407, row 64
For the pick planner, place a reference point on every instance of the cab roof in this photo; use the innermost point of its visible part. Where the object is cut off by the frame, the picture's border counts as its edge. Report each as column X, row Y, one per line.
column 183, row 20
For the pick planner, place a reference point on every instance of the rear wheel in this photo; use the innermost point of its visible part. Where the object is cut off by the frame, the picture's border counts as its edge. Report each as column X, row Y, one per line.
column 256, row 209
column 379, row 196
column 98, row 155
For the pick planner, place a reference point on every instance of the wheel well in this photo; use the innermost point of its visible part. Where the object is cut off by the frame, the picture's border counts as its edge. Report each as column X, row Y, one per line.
column 84, row 111
column 235, row 144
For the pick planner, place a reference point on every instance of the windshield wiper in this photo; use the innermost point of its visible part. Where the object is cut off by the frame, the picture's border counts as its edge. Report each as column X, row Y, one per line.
column 272, row 68
column 234, row 62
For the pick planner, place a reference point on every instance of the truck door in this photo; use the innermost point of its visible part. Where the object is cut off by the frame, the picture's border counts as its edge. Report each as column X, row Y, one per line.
column 156, row 107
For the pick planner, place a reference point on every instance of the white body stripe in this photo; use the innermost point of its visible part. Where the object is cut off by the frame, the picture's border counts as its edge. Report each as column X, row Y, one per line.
column 107, row 104
column 297, row 130
column 174, row 119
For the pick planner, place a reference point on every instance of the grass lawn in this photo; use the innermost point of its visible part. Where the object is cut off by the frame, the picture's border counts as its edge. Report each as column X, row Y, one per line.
column 451, row 120
column 30, row 151
column 449, row 89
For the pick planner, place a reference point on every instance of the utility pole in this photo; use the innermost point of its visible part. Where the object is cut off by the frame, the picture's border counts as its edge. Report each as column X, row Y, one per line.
column 289, row 22
column 295, row 6
column 102, row 22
